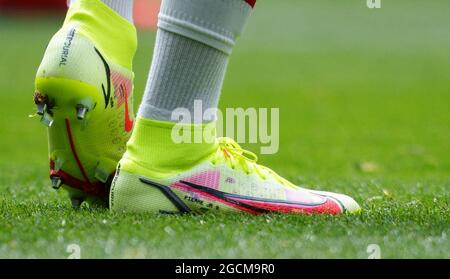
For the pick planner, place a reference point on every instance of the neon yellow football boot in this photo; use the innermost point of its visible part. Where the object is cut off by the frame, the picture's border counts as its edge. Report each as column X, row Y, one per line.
column 157, row 174
column 83, row 95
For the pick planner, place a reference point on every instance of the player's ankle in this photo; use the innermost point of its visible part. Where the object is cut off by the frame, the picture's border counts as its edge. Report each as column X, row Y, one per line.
column 123, row 8
column 112, row 34
column 167, row 147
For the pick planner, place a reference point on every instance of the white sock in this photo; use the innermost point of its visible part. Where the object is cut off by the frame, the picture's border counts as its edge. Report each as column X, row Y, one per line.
column 193, row 44
column 122, row 7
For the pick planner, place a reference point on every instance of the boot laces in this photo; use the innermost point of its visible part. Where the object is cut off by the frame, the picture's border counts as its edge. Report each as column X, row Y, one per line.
column 235, row 156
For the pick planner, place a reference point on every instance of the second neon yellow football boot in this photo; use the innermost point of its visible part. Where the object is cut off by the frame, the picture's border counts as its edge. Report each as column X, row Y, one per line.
column 157, row 174
column 84, row 95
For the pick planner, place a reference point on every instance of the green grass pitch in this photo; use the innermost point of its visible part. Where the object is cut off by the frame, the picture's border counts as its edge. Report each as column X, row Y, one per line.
column 364, row 109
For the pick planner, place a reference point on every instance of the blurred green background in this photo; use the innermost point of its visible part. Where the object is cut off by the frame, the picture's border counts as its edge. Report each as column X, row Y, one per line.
column 364, row 98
